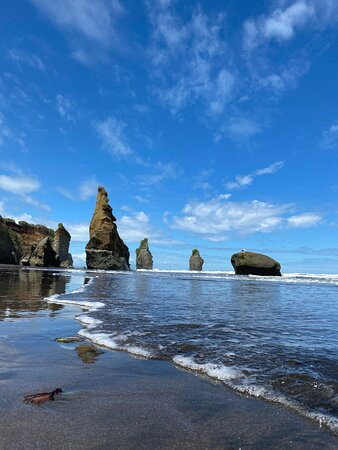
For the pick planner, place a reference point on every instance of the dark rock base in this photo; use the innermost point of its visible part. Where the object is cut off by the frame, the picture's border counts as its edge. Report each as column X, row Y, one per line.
column 243, row 270
column 105, row 260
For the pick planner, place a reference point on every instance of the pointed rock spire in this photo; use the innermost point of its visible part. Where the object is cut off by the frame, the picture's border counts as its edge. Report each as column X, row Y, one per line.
column 105, row 249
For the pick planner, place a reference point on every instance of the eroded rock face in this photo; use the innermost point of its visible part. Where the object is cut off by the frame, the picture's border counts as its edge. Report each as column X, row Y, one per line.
column 196, row 261
column 8, row 253
column 251, row 263
column 61, row 246
column 144, row 259
column 105, row 249
column 25, row 235
column 43, row 255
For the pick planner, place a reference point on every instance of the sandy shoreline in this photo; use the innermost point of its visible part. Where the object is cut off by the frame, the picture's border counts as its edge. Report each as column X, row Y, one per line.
column 113, row 400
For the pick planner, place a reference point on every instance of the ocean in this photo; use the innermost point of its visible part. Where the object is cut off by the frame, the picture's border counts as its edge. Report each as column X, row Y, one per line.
column 272, row 338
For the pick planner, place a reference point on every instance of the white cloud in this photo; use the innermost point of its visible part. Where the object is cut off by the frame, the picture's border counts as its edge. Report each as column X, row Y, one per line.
column 19, row 184
column 280, row 24
column 87, row 189
column 218, row 218
column 78, row 232
column 64, row 106
column 270, row 169
column 191, row 60
column 242, row 181
column 160, row 172
column 330, row 137
column 285, row 20
column 31, row 59
column 141, row 199
column 91, row 19
column 22, row 186
column 306, row 220
column 7, row 134
column 90, row 24
column 135, row 227
column 242, row 127
column 111, row 131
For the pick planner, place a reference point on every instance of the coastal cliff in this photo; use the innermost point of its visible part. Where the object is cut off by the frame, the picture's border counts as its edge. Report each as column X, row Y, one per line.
column 105, row 249
column 25, row 235
column 33, row 245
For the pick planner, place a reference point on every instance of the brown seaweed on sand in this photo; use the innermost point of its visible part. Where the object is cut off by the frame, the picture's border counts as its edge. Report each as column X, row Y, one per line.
column 43, row 397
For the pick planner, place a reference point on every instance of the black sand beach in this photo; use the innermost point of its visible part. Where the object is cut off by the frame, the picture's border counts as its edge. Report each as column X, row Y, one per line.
column 113, row 400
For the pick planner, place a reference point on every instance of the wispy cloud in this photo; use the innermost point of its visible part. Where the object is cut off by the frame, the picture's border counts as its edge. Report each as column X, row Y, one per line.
column 280, row 25
column 240, row 128
column 219, row 218
column 91, row 25
column 22, row 186
column 87, row 189
column 33, row 60
column 306, row 220
column 111, row 132
column 65, row 107
column 329, row 139
column 242, row 181
column 8, row 135
column 159, row 172
column 196, row 48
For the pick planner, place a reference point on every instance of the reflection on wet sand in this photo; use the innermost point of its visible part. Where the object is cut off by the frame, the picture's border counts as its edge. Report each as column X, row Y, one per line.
column 88, row 353
column 22, row 290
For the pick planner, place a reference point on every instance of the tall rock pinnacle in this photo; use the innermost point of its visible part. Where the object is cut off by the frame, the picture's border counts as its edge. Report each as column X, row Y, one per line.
column 144, row 259
column 196, row 261
column 105, row 249
column 61, row 246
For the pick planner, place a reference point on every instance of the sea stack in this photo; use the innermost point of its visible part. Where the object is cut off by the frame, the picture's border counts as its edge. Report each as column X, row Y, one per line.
column 196, row 261
column 144, row 259
column 250, row 263
column 105, row 249
column 61, row 246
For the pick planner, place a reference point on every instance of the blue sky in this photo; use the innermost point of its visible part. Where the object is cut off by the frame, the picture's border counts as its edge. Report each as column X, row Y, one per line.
column 211, row 124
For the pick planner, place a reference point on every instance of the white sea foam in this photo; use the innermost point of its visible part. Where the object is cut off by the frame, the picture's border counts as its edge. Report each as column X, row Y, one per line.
column 216, row 371
column 228, row 275
column 104, row 340
column 89, row 321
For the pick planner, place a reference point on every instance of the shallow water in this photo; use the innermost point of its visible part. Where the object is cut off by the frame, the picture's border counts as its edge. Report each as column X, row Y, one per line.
column 274, row 338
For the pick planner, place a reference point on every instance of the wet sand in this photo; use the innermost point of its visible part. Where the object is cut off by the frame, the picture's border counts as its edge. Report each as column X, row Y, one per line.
column 113, row 400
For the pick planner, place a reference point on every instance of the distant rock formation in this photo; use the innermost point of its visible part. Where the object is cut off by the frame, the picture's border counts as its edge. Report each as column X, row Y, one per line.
column 7, row 249
column 250, row 263
column 42, row 255
column 25, row 235
column 196, row 261
column 27, row 244
column 105, row 249
column 61, row 246
column 144, row 259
